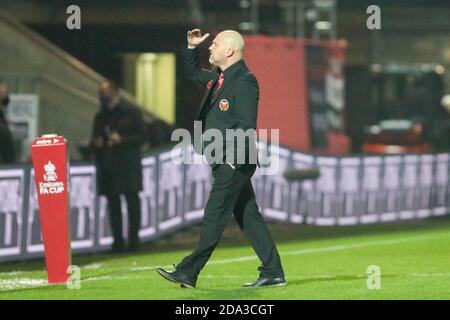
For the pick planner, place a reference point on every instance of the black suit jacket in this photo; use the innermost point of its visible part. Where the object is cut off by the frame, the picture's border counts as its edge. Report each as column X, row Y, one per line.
column 6, row 141
column 234, row 106
column 119, row 167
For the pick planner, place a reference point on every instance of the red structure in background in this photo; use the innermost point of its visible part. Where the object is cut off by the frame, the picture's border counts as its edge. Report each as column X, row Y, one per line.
column 284, row 70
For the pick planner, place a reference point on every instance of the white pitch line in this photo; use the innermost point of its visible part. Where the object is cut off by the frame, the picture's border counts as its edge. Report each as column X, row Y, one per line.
column 28, row 283
column 20, row 283
column 328, row 249
column 11, row 273
column 430, row 274
column 104, row 278
column 308, row 251
column 92, row 266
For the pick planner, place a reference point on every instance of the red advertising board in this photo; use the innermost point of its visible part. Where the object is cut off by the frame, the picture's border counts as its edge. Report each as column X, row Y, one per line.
column 49, row 154
column 301, row 87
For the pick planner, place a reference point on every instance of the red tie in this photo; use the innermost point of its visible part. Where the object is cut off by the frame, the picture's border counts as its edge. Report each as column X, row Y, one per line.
column 220, row 82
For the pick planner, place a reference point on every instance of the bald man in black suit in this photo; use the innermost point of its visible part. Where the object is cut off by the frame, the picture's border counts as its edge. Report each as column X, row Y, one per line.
column 230, row 103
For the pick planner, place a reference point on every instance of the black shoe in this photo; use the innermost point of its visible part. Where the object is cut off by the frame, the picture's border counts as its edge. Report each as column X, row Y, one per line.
column 266, row 282
column 177, row 277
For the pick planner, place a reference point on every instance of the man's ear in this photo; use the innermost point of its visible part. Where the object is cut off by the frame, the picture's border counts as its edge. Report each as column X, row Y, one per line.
column 229, row 52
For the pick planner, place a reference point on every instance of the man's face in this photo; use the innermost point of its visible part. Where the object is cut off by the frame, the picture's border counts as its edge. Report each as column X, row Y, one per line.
column 104, row 91
column 106, row 95
column 218, row 50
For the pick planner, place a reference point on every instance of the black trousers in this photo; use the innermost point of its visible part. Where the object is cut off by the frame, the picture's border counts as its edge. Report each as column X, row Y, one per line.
column 134, row 217
column 232, row 192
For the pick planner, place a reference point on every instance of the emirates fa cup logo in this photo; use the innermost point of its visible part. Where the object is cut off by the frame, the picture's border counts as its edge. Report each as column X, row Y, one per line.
column 50, row 186
column 50, row 174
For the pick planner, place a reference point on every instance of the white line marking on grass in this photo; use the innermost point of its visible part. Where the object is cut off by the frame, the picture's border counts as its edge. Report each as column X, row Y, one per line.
column 27, row 283
column 21, row 283
column 12, row 284
column 11, row 273
column 150, row 268
column 327, row 249
column 145, row 268
column 92, row 266
column 430, row 274
column 101, row 278
column 308, row 251
column 96, row 278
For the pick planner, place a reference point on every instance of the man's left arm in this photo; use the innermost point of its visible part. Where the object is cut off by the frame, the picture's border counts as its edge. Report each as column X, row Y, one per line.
column 246, row 100
column 247, row 97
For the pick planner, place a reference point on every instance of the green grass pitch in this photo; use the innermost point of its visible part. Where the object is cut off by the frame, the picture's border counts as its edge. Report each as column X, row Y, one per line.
column 319, row 262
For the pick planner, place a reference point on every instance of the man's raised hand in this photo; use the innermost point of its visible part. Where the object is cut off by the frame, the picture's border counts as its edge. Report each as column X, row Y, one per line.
column 194, row 38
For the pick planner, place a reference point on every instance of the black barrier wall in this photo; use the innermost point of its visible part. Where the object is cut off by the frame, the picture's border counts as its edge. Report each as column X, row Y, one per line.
column 350, row 190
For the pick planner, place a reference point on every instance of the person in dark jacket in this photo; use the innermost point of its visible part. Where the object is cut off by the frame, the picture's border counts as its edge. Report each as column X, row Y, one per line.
column 117, row 136
column 7, row 154
column 230, row 103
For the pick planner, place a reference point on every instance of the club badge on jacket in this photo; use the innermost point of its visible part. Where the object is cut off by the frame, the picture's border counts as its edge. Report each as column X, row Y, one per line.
column 224, row 105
